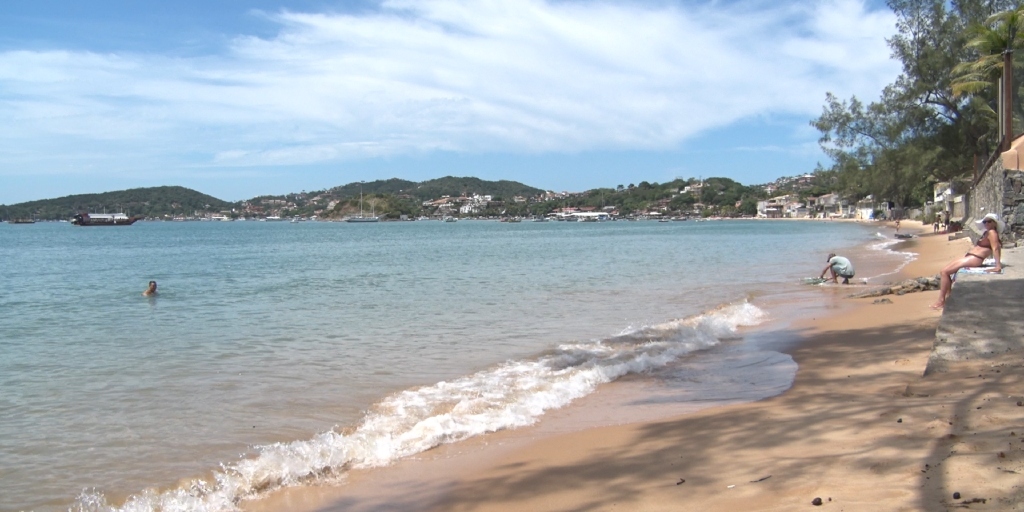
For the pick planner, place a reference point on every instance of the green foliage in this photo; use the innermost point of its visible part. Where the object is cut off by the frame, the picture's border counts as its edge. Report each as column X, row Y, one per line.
column 456, row 187
column 748, row 207
column 719, row 195
column 1001, row 34
column 150, row 202
column 393, row 198
column 922, row 129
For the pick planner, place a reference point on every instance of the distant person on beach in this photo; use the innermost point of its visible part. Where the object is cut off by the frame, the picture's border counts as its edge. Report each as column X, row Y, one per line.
column 839, row 267
column 988, row 245
column 151, row 290
column 897, row 225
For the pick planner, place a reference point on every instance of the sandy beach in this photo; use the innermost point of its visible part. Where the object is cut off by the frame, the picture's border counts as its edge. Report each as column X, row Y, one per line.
column 860, row 429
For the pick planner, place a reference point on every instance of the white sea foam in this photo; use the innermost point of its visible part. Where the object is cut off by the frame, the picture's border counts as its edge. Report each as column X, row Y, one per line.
column 509, row 395
column 886, row 246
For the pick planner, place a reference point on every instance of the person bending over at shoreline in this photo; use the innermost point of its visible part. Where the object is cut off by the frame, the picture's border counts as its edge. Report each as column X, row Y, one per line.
column 988, row 245
column 839, row 267
column 151, row 290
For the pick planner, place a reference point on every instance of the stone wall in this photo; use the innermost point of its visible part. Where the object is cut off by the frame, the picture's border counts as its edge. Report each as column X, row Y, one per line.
column 998, row 190
column 982, row 317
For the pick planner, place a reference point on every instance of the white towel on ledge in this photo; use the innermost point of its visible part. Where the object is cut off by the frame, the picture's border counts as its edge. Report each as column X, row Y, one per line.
column 978, row 270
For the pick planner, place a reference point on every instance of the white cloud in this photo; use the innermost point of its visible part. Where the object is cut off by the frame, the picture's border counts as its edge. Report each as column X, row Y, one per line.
column 468, row 76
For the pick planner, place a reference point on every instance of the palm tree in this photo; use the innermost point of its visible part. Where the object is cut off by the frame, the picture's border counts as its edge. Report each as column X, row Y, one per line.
column 995, row 42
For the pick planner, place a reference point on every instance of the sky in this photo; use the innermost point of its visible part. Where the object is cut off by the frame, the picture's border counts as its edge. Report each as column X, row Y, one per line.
column 240, row 98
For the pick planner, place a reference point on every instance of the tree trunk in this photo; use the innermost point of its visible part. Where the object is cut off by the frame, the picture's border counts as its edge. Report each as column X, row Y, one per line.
column 1007, row 100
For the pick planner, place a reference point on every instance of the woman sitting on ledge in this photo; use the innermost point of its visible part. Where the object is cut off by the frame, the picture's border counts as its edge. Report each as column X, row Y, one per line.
column 988, row 245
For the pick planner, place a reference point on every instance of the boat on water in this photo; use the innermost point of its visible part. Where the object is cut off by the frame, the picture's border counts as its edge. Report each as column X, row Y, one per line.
column 451, row 219
column 104, row 219
column 361, row 217
column 21, row 221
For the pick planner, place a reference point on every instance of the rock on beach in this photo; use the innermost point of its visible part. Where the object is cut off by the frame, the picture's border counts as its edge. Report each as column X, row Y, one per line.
column 920, row 284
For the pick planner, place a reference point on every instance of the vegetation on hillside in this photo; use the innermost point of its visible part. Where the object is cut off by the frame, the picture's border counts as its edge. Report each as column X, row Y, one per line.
column 394, row 198
column 149, row 202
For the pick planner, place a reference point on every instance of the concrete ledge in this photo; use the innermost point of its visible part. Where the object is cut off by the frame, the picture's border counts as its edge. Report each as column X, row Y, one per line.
column 983, row 317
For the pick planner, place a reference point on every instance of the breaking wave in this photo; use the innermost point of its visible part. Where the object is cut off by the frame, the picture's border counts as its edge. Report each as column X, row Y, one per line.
column 509, row 395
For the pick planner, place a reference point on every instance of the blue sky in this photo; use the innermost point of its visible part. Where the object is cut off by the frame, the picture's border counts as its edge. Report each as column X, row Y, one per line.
column 239, row 98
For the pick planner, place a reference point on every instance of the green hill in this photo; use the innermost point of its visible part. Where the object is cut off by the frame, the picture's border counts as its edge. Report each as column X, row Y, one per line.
column 388, row 198
column 394, row 197
column 435, row 188
column 150, row 202
column 453, row 186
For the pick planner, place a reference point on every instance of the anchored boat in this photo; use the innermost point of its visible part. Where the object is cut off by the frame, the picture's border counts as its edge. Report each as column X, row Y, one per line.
column 103, row 219
column 373, row 216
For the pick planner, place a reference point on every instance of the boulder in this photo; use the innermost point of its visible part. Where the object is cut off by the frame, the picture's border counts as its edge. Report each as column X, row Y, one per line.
column 920, row 284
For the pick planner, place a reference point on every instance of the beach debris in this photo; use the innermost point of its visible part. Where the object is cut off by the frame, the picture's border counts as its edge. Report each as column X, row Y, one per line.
column 900, row 420
column 762, row 479
column 956, row 495
column 681, row 481
column 816, row 502
column 882, row 301
column 921, row 284
column 730, row 486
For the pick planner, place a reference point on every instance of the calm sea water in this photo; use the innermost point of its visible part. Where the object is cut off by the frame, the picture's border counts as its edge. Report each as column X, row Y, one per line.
column 278, row 353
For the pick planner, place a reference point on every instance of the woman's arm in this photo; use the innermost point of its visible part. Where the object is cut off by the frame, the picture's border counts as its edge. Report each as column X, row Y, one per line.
column 997, row 247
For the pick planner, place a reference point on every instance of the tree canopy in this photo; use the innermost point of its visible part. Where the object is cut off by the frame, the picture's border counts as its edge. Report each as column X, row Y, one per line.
column 936, row 122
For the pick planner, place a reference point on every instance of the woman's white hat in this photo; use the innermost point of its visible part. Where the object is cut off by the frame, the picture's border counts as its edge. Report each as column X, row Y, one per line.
column 1000, row 225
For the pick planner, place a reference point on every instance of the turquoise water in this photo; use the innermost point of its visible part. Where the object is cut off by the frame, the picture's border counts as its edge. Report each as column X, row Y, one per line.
column 280, row 353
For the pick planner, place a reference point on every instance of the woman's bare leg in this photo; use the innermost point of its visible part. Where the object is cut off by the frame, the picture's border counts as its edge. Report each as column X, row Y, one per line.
column 946, row 277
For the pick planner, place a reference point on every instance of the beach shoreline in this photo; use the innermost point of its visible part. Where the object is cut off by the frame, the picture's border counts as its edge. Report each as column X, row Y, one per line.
column 830, row 435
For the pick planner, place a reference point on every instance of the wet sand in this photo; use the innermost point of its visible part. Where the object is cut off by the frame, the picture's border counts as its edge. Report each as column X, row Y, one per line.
column 860, row 428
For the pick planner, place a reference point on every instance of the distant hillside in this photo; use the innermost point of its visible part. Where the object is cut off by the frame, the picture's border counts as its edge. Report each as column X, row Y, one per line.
column 433, row 189
column 150, row 201
column 388, row 198
column 393, row 186
column 452, row 186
